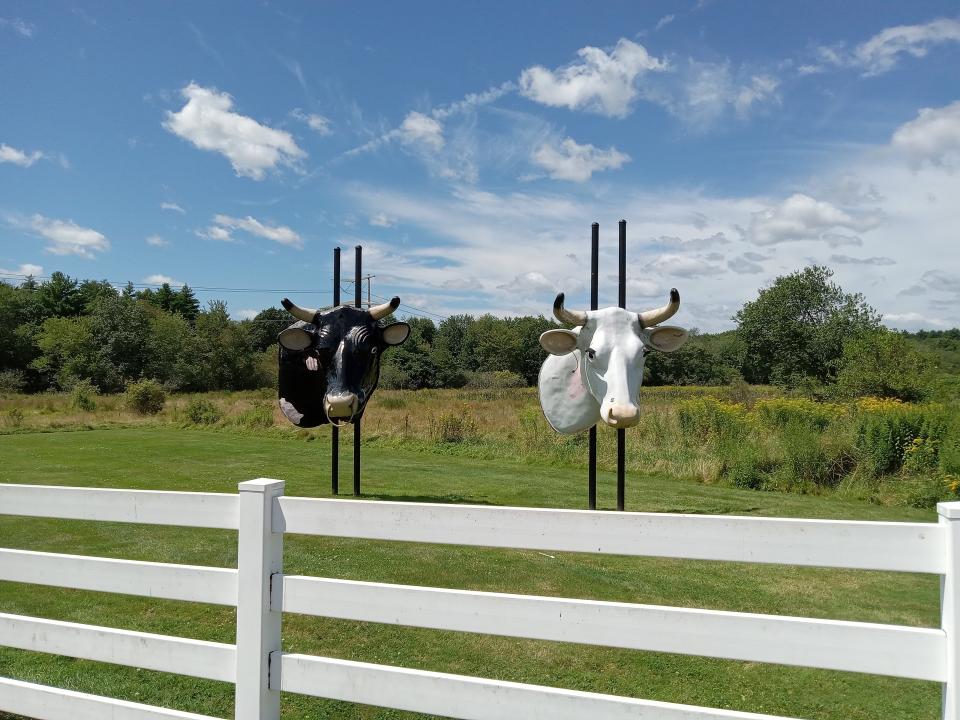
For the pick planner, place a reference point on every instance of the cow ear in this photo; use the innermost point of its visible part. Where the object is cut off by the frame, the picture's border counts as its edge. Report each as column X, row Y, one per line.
column 667, row 338
column 396, row 333
column 558, row 342
column 294, row 338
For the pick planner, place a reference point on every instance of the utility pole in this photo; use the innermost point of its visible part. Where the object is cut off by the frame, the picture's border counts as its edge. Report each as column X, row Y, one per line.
column 368, row 278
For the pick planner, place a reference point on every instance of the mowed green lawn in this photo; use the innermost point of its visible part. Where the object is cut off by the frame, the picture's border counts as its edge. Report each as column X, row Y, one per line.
column 173, row 459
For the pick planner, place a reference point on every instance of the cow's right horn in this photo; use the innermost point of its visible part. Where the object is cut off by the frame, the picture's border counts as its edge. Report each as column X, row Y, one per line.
column 298, row 312
column 381, row 311
column 573, row 317
column 655, row 317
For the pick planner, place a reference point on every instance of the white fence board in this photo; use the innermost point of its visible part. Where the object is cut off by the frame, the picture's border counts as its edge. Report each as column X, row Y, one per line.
column 206, row 510
column 198, row 658
column 49, row 703
column 918, row 653
column 470, row 698
column 173, row 582
column 909, row 547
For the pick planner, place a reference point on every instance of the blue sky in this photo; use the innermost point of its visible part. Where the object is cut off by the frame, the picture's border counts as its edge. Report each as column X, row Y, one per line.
column 468, row 147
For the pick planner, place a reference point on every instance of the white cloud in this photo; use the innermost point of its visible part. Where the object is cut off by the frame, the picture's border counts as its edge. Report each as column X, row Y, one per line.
column 685, row 266
column 882, row 52
column 158, row 279
column 23, row 270
column 847, row 260
column 744, row 266
column 207, row 122
column 664, row 21
column 933, row 136
column 836, row 240
column 318, row 123
column 18, row 157
column 381, row 220
column 422, row 130
column 701, row 93
column 912, row 320
column 214, row 232
column 156, row 241
column 245, row 314
column 760, row 89
column 65, row 237
column 601, row 83
column 801, row 217
column 19, row 26
column 278, row 233
column 172, row 206
column 528, row 283
column 571, row 161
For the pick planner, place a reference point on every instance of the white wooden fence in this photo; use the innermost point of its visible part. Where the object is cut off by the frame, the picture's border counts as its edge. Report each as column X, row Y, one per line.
column 262, row 593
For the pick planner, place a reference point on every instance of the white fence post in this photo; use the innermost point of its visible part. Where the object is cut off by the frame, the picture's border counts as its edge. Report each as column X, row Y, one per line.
column 259, row 556
column 950, row 607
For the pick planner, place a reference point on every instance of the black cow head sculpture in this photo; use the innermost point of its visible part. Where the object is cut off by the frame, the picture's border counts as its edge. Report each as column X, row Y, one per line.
column 330, row 361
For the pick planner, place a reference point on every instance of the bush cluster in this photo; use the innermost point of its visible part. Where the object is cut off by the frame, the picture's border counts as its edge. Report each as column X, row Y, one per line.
column 146, row 397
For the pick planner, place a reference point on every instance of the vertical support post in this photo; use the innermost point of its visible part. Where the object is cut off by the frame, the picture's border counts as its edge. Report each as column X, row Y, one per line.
column 594, row 299
column 949, row 513
column 356, row 423
column 259, row 557
column 334, row 430
column 622, row 434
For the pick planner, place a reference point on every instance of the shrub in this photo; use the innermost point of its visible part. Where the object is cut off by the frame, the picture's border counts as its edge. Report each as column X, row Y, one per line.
column 497, row 380
column 886, row 429
column 146, row 397
column 453, row 427
column 15, row 417
column 83, row 396
column 780, row 412
column 12, row 381
column 201, row 411
column 884, row 364
column 708, row 418
column 259, row 415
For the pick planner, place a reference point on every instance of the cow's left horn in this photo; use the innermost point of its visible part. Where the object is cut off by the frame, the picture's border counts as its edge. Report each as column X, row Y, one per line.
column 655, row 317
column 298, row 312
column 573, row 317
column 381, row 311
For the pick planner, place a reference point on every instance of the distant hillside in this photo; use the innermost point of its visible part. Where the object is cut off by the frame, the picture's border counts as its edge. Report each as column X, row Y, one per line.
column 944, row 345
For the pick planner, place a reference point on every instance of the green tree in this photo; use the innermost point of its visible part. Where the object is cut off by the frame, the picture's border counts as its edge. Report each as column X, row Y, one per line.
column 267, row 324
column 59, row 297
column 884, row 364
column 185, row 303
column 91, row 291
column 795, row 330
column 411, row 366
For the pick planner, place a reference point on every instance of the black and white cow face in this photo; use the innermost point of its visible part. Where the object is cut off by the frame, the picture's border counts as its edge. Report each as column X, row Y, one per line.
column 330, row 362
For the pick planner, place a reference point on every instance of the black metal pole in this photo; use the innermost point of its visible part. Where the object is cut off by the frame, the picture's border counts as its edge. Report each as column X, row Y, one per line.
column 356, row 424
column 622, row 434
column 334, row 430
column 592, row 446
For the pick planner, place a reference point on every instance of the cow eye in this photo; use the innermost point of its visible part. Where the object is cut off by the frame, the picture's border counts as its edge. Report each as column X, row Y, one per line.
column 591, row 353
column 373, row 350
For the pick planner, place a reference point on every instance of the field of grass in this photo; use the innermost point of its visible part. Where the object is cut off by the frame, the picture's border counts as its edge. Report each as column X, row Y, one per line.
column 163, row 456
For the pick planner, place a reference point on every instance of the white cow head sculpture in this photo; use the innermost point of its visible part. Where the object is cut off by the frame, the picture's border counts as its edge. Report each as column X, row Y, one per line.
column 594, row 371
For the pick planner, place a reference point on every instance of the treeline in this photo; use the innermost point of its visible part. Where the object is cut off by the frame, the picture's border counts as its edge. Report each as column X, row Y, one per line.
column 802, row 332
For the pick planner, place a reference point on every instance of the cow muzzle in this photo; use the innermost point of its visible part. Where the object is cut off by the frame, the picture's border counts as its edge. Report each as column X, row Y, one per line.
column 341, row 408
column 620, row 416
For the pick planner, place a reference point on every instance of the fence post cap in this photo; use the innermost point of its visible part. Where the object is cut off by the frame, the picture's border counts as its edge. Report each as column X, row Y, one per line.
column 949, row 510
column 261, row 485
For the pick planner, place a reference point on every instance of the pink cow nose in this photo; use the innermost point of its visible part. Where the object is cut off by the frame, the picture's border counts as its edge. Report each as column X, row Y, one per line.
column 622, row 416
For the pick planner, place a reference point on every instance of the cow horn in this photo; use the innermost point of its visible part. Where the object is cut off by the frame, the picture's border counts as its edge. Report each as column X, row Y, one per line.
column 572, row 317
column 298, row 312
column 381, row 311
column 655, row 317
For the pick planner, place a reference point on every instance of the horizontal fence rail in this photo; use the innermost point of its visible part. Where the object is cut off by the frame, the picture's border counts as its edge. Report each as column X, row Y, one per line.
column 48, row 703
column 918, row 653
column 194, row 583
column 187, row 509
column 471, row 698
column 197, row 658
column 905, row 547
